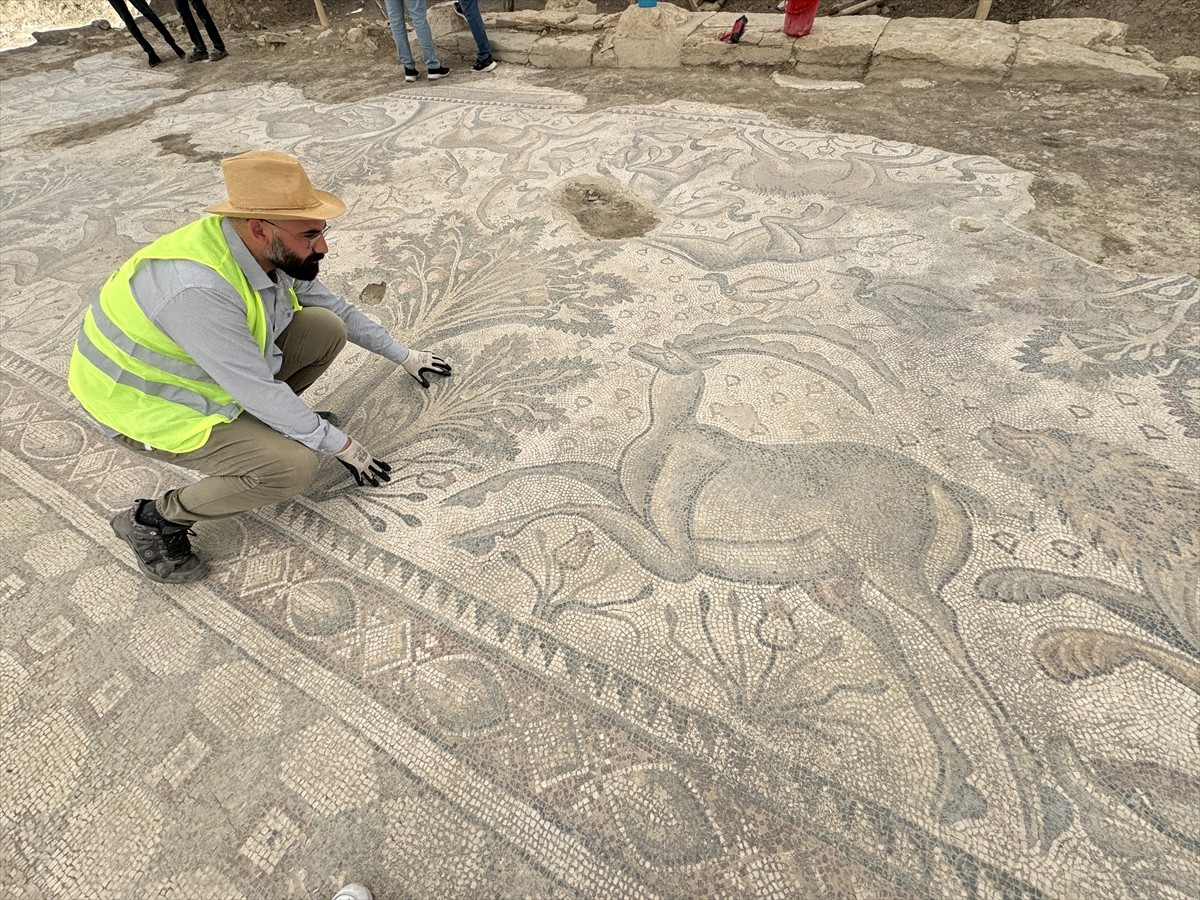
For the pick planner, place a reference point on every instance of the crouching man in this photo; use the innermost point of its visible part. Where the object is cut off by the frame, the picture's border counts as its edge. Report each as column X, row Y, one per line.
column 198, row 347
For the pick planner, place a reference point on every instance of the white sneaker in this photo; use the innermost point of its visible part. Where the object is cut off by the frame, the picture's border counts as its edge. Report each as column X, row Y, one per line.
column 353, row 891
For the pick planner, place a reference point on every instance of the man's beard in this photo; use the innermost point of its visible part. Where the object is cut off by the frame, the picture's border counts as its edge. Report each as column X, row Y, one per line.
column 290, row 264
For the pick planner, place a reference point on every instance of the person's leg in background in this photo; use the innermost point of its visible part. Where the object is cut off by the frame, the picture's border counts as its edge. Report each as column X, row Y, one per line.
column 469, row 10
column 131, row 26
column 395, row 14
column 134, row 32
column 420, row 22
column 199, row 50
column 143, row 7
column 214, row 36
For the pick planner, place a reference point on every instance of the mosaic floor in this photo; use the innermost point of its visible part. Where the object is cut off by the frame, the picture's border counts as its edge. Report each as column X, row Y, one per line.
column 823, row 535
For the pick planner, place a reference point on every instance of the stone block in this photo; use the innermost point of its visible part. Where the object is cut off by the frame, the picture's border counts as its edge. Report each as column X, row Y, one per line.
column 443, row 21
column 563, row 51
column 702, row 48
column 459, row 43
column 542, row 22
column 838, row 48
column 527, row 19
column 809, row 84
column 944, row 49
column 605, row 56
column 1184, row 72
column 578, row 6
column 57, row 37
column 647, row 38
column 510, row 46
column 1040, row 61
column 1136, row 51
column 766, row 30
column 1084, row 31
column 763, row 43
column 585, row 23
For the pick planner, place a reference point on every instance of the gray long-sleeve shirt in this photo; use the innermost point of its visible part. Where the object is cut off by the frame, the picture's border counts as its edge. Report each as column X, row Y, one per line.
column 206, row 316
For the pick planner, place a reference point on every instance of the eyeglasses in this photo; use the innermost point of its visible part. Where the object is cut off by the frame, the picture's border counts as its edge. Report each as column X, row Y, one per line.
column 310, row 237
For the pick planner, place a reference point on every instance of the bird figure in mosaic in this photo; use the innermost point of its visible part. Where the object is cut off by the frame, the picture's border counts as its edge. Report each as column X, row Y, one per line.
column 905, row 303
column 836, row 518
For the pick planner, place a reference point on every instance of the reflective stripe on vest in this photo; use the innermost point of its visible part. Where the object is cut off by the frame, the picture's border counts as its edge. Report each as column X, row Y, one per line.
column 168, row 392
column 126, row 344
column 129, row 375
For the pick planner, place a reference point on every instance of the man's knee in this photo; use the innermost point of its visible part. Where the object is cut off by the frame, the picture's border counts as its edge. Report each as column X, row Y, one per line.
column 325, row 324
column 291, row 470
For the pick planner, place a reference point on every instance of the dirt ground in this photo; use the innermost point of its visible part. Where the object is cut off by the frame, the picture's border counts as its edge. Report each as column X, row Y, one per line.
column 1117, row 173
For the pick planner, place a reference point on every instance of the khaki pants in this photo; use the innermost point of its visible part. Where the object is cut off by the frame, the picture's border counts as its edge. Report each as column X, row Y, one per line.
column 247, row 463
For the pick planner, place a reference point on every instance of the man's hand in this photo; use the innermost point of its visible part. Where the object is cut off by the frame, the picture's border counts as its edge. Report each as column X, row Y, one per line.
column 420, row 362
column 365, row 468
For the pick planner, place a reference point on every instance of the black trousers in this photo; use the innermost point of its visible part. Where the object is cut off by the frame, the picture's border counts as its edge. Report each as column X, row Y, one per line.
column 185, row 13
column 143, row 7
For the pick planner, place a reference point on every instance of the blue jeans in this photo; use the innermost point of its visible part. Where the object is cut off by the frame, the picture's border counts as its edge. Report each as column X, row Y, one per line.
column 470, row 9
column 420, row 23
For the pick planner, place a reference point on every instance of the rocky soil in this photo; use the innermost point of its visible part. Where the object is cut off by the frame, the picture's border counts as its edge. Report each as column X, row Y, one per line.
column 1117, row 174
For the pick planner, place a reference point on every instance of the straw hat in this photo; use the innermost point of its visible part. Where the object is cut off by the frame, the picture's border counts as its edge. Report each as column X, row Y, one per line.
column 266, row 184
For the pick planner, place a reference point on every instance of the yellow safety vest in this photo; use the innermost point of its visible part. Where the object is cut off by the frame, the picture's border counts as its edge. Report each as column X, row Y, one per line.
column 131, row 377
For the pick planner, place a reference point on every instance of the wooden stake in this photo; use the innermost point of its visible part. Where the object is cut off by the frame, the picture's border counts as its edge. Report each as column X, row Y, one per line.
column 857, row 7
column 321, row 13
column 981, row 11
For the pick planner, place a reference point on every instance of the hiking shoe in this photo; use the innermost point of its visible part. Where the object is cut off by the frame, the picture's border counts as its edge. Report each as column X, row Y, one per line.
column 197, row 55
column 410, row 74
column 217, row 55
column 458, row 11
column 441, row 72
column 484, row 65
column 164, row 553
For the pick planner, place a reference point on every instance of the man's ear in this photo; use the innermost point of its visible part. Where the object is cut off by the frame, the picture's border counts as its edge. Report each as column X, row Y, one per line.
column 258, row 229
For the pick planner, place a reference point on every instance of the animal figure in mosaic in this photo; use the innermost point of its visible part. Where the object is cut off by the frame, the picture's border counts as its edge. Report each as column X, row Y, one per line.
column 905, row 303
column 687, row 499
column 1139, row 512
column 791, row 240
column 1140, row 813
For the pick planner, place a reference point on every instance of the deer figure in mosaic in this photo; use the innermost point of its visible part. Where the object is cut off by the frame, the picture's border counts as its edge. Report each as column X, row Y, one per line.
column 687, row 498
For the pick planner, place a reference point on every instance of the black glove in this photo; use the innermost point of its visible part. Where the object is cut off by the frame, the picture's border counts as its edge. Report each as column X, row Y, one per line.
column 419, row 362
column 365, row 468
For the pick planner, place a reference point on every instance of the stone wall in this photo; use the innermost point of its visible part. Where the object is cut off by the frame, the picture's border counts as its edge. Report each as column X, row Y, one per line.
column 1078, row 52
